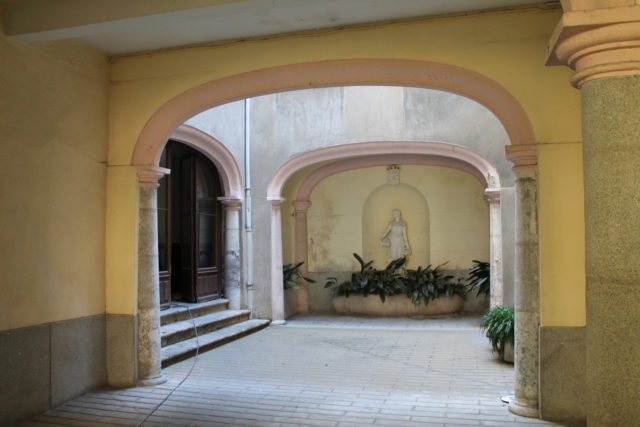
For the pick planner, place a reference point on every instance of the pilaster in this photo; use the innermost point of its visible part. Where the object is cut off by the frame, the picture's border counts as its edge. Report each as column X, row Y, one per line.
column 232, row 263
column 300, row 208
column 277, row 290
column 492, row 196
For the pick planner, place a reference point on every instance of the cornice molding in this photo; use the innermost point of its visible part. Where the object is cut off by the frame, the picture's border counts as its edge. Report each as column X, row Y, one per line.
column 599, row 43
column 149, row 176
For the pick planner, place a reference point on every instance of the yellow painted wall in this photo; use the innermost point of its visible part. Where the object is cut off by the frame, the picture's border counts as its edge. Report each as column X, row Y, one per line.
column 459, row 221
column 53, row 116
column 562, row 274
column 506, row 46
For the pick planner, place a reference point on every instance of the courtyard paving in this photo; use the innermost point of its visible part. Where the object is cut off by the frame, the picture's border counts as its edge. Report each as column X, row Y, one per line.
column 322, row 371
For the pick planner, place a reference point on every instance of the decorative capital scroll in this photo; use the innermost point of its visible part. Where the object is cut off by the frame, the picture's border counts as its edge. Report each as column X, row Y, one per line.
column 523, row 157
column 597, row 43
column 301, row 206
column 230, row 202
column 149, row 176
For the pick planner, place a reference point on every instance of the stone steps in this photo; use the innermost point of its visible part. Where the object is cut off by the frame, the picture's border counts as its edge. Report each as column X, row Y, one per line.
column 180, row 311
column 184, row 349
column 215, row 323
column 184, row 330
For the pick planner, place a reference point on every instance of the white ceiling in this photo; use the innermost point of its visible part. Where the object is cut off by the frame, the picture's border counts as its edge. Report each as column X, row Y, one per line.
column 250, row 18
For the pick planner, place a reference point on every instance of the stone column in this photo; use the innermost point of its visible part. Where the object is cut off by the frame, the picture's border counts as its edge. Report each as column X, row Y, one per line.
column 149, row 357
column 232, row 265
column 527, row 286
column 604, row 50
column 492, row 195
column 301, row 253
column 277, row 290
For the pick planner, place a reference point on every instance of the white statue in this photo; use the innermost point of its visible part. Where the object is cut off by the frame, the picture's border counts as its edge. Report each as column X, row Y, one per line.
column 395, row 237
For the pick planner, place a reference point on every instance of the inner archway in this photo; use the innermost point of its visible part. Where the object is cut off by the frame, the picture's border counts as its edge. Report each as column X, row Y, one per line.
column 353, row 157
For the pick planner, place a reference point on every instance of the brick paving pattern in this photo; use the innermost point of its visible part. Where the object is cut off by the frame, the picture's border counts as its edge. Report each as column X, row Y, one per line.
column 322, row 371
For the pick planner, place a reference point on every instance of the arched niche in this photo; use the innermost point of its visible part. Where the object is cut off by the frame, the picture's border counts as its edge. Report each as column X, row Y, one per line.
column 376, row 215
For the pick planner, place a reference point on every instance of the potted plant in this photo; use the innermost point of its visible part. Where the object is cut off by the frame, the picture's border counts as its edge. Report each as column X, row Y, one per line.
column 499, row 326
column 370, row 281
column 427, row 284
column 424, row 291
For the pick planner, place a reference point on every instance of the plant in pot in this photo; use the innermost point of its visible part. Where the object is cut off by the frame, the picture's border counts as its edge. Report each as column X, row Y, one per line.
column 479, row 278
column 426, row 284
column 291, row 273
column 370, row 281
column 499, row 326
column 423, row 291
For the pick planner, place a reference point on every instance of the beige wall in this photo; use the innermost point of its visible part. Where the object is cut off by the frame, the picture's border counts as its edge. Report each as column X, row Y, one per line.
column 458, row 217
column 53, row 116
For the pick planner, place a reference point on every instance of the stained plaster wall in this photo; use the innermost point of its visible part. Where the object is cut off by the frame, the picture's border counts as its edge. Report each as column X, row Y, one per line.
column 458, row 229
column 287, row 124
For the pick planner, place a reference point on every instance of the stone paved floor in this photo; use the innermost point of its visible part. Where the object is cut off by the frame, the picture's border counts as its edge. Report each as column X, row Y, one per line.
column 322, row 371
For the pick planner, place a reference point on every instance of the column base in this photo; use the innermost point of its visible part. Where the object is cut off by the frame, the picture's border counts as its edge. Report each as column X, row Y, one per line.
column 160, row 379
column 278, row 322
column 523, row 409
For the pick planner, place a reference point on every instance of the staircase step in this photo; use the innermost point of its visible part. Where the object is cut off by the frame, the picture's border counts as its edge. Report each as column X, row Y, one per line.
column 184, row 349
column 180, row 313
column 183, row 330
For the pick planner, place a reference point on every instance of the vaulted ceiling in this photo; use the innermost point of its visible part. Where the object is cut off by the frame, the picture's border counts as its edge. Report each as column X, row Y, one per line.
column 119, row 27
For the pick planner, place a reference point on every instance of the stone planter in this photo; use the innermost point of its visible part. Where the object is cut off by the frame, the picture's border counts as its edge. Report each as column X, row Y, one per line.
column 396, row 306
column 507, row 355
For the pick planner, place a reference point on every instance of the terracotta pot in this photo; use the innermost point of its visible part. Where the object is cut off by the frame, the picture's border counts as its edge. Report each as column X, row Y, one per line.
column 397, row 305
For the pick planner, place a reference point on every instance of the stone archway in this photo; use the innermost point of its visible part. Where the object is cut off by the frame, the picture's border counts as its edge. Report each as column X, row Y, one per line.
column 396, row 72
column 148, row 298
column 384, row 154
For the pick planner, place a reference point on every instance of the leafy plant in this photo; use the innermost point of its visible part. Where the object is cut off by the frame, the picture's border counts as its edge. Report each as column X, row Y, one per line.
column 370, row 281
column 499, row 324
column 426, row 284
column 291, row 273
column 422, row 284
column 479, row 278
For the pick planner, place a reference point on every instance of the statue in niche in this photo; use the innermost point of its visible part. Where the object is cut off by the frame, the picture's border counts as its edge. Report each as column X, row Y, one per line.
column 395, row 237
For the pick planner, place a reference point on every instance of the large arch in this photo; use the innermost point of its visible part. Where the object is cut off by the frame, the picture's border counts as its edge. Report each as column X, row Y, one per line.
column 393, row 72
column 347, row 72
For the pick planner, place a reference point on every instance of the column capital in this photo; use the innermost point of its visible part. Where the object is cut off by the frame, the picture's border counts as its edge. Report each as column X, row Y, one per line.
column 597, row 42
column 230, row 202
column 301, row 206
column 492, row 195
column 149, row 175
column 523, row 157
column 276, row 201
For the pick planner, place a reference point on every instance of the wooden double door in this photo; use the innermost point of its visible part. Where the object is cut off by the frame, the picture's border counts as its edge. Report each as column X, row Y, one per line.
column 189, row 228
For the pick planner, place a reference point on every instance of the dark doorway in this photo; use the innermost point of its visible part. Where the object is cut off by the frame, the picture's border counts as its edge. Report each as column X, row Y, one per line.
column 189, row 227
